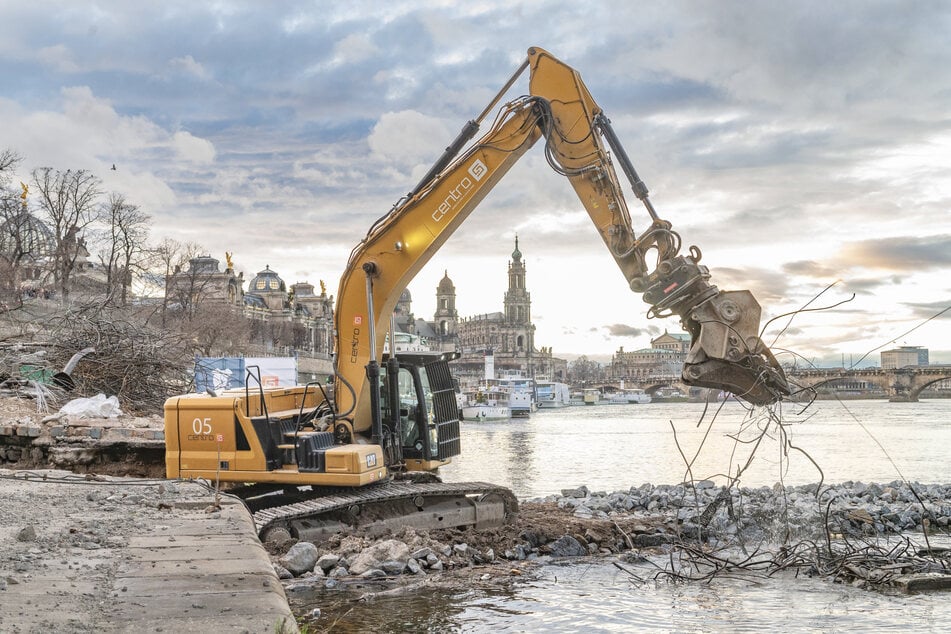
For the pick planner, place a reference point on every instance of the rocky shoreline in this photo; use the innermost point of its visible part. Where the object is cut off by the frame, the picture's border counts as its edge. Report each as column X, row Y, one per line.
column 621, row 526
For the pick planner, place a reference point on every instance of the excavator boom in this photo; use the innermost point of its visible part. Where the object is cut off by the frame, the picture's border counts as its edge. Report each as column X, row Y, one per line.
column 361, row 446
column 726, row 352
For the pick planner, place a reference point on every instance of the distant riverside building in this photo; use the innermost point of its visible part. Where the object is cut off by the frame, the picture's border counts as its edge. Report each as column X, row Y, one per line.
column 282, row 321
column 28, row 250
column 904, row 356
column 509, row 335
column 204, row 281
column 662, row 360
column 678, row 342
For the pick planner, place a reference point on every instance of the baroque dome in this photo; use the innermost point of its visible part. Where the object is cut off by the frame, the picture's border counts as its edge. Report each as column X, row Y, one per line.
column 266, row 281
column 26, row 234
column 445, row 284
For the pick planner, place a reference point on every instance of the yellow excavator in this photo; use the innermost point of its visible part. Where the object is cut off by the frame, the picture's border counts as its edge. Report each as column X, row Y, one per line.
column 316, row 459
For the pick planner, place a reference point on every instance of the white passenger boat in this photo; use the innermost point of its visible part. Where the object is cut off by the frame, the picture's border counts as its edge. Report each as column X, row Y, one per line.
column 592, row 396
column 552, row 395
column 486, row 405
column 521, row 391
column 625, row 397
column 522, row 402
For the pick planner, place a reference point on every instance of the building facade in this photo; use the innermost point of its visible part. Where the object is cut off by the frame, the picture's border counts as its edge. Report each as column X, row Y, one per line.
column 661, row 362
column 904, row 356
column 29, row 261
column 283, row 321
column 508, row 335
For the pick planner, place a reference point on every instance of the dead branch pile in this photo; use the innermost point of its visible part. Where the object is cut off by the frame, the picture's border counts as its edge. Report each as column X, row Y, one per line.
column 859, row 562
column 845, row 556
column 140, row 365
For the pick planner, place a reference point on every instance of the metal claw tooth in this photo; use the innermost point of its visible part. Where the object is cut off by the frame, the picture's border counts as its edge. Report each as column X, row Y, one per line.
column 756, row 386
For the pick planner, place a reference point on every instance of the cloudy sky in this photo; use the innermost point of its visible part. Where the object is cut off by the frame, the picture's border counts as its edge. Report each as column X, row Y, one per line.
column 799, row 145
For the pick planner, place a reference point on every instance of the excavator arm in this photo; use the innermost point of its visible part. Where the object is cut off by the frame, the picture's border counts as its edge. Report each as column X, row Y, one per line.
column 726, row 351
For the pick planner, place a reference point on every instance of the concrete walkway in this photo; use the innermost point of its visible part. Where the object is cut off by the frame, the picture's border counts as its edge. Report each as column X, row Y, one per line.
column 122, row 555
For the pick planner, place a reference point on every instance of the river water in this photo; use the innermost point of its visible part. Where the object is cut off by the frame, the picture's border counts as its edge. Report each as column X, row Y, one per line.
column 614, row 447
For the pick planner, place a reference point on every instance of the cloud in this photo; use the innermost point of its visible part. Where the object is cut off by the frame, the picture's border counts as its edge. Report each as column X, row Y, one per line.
column 902, row 253
column 192, row 149
column 59, row 57
column 770, row 136
column 407, row 139
column 623, row 330
column 355, row 47
column 188, row 66
column 870, row 286
column 932, row 310
column 766, row 286
column 810, row 268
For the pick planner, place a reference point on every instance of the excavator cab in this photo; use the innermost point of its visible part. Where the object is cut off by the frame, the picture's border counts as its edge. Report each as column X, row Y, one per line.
column 418, row 410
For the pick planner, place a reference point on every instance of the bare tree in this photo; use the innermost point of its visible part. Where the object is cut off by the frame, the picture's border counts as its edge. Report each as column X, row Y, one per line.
column 14, row 234
column 584, row 370
column 8, row 162
column 68, row 199
column 169, row 259
column 126, row 232
column 141, row 365
column 14, row 245
column 217, row 329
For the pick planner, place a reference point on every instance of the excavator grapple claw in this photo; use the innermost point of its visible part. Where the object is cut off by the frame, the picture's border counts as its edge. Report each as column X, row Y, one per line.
column 726, row 352
column 750, row 380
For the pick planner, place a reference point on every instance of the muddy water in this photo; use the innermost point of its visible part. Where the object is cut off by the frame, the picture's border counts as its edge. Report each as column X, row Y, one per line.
column 612, row 447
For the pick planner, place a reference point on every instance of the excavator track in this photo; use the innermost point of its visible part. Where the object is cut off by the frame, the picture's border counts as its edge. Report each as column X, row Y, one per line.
column 389, row 505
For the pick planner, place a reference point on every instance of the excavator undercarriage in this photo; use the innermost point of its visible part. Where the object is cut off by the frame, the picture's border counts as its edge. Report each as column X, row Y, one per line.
column 317, row 514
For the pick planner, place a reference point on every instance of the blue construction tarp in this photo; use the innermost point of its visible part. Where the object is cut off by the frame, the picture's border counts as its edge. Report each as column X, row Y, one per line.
column 221, row 373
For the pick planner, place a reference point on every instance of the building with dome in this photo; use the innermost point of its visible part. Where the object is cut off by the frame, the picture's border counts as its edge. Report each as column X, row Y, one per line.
column 299, row 321
column 663, row 361
column 26, row 248
column 446, row 319
column 266, row 290
column 290, row 322
column 204, row 281
column 27, row 257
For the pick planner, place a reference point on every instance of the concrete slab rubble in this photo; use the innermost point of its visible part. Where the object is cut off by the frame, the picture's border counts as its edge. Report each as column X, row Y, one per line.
column 130, row 555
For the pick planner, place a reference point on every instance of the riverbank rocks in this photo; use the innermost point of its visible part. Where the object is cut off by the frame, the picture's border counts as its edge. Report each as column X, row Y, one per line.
column 853, row 508
column 641, row 519
column 301, row 558
column 567, row 546
column 387, row 551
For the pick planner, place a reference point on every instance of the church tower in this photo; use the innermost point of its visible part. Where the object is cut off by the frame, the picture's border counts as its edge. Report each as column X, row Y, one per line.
column 403, row 312
column 518, row 305
column 446, row 318
column 518, row 301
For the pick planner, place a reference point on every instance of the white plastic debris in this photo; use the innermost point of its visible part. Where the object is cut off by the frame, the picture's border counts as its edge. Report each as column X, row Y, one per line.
column 98, row 406
column 220, row 379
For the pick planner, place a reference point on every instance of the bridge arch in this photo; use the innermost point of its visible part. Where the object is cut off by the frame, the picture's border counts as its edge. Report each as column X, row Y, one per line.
column 900, row 385
column 917, row 389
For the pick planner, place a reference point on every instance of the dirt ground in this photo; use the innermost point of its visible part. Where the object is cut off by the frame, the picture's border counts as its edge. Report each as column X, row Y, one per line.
column 19, row 408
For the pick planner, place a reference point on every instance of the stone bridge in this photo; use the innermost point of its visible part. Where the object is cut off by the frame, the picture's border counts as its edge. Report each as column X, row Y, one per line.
column 650, row 385
column 901, row 385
